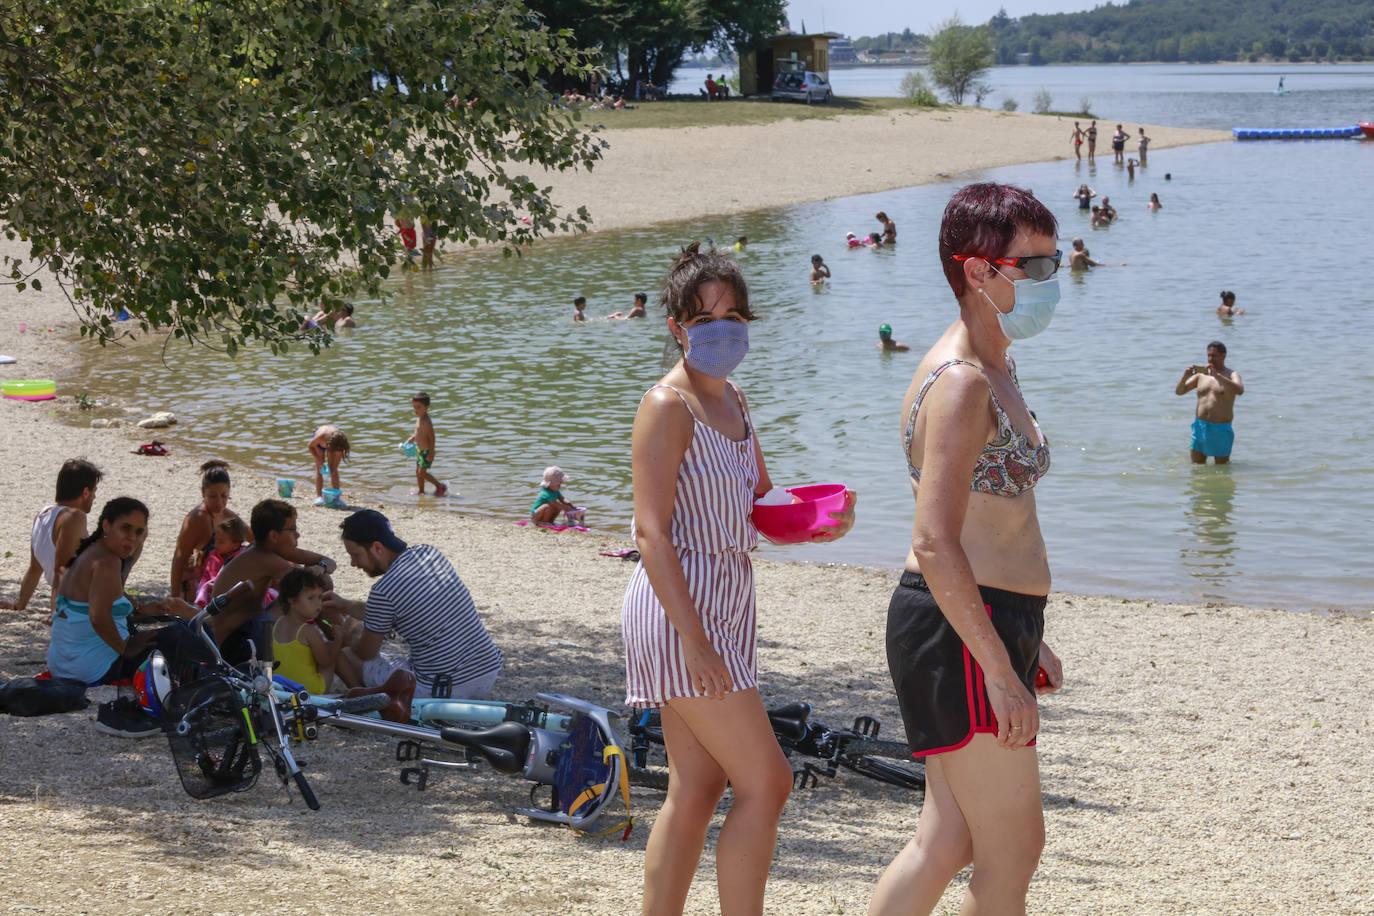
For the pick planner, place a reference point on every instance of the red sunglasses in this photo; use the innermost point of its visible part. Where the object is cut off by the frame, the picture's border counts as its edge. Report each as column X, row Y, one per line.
column 1036, row 266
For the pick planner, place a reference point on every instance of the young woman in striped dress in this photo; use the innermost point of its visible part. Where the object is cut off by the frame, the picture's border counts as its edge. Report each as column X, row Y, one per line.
column 688, row 614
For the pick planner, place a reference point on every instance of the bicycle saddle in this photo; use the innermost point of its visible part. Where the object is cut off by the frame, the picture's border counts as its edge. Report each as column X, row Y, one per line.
column 504, row 746
column 789, row 721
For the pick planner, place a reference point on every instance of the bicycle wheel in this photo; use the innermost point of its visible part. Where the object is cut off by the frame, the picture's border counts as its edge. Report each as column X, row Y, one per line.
column 909, row 775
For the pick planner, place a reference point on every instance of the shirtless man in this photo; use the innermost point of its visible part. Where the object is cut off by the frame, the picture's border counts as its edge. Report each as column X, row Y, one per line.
column 273, row 554
column 885, row 341
column 58, row 528
column 1079, row 259
column 1217, row 388
column 1077, row 137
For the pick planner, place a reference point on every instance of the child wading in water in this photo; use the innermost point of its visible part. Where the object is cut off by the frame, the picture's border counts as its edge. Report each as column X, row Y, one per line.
column 423, row 437
column 302, row 652
column 328, row 446
column 229, row 537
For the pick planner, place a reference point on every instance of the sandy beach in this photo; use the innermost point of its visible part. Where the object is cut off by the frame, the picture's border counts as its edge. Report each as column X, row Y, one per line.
column 1200, row 759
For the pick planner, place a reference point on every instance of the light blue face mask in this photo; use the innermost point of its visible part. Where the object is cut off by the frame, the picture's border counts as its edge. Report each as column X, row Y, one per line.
column 717, row 347
column 1033, row 303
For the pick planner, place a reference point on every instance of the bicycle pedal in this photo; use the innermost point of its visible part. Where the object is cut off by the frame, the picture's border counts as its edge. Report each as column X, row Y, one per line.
column 408, row 750
column 805, row 778
column 866, row 726
column 416, row 776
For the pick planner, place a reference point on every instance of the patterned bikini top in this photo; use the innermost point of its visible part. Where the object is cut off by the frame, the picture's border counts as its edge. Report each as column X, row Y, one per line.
column 1010, row 464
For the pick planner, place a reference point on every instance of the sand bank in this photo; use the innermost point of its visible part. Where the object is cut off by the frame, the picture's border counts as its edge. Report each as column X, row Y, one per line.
column 1201, row 759
column 656, row 175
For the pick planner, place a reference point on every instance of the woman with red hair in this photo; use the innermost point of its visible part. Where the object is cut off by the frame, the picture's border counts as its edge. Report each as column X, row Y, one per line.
column 965, row 623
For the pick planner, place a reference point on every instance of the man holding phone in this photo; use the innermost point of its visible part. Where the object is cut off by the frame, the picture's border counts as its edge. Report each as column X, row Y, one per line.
column 1217, row 388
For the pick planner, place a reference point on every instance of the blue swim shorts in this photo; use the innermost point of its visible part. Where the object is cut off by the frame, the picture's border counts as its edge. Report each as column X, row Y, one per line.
column 1212, row 439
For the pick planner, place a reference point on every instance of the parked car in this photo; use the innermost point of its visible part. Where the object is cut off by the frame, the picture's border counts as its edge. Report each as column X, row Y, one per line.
column 804, row 86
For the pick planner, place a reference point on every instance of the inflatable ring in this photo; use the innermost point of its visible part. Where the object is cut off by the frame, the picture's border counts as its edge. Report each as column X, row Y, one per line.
column 30, row 389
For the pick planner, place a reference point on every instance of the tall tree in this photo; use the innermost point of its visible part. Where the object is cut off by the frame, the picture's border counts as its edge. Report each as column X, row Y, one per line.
column 218, row 168
column 959, row 56
column 652, row 37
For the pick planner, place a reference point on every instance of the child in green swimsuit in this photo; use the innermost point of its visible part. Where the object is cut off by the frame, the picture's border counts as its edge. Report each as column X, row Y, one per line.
column 423, row 437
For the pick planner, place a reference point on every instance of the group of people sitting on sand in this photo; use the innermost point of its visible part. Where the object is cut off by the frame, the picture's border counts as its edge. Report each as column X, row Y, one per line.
column 279, row 599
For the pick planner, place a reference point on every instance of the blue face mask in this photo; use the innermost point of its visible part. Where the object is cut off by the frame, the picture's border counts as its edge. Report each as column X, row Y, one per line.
column 717, row 347
column 1033, row 303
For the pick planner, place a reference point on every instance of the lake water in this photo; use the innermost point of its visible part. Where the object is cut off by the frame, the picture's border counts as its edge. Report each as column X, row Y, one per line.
column 1182, row 95
column 517, row 385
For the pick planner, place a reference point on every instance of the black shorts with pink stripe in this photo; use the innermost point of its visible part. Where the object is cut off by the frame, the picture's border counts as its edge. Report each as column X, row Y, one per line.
column 939, row 684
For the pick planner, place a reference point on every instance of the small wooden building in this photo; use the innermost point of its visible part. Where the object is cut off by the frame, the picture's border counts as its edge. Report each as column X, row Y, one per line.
column 758, row 67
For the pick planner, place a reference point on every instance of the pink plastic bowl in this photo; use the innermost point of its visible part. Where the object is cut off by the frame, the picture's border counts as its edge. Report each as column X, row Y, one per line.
column 798, row 522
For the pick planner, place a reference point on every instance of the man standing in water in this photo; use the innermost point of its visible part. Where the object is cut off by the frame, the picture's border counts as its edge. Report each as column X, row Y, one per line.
column 1217, row 388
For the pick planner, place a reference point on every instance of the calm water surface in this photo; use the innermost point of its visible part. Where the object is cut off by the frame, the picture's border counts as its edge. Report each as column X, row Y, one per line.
column 1184, row 95
column 517, row 385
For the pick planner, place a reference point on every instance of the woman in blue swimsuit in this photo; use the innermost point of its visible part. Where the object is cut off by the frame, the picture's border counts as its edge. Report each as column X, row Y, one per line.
column 91, row 637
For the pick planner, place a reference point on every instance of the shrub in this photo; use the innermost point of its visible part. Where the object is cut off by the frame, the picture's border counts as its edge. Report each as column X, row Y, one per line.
column 916, row 90
column 1009, row 104
column 1041, row 101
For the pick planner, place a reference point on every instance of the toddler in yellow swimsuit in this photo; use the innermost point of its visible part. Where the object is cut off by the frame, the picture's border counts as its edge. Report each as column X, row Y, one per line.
column 302, row 652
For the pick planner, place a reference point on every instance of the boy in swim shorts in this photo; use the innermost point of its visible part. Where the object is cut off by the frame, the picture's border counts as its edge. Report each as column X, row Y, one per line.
column 423, row 437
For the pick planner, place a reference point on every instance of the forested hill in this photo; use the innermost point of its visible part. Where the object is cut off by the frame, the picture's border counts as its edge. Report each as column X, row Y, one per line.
column 1192, row 30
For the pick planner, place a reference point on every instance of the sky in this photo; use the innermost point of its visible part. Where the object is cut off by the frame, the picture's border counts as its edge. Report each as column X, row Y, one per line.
column 874, row 17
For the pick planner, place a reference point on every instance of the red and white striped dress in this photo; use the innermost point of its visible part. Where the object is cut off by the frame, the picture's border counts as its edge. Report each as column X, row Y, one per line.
column 713, row 534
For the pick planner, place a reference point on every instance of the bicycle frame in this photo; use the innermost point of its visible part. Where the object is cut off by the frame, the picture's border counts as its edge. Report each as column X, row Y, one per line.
column 540, row 756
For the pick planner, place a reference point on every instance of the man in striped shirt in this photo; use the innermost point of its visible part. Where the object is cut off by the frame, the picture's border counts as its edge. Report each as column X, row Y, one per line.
column 418, row 596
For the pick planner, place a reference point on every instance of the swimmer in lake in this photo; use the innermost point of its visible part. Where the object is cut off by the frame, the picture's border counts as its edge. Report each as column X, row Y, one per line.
column 1100, row 220
column 1154, row 203
column 580, row 308
column 885, row 341
column 819, row 272
column 1228, row 305
column 1080, row 260
column 889, row 228
column 639, row 311
column 1084, row 195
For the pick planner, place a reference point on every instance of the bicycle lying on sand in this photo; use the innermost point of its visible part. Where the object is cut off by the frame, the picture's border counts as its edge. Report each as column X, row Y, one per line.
column 218, row 717
column 857, row 749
